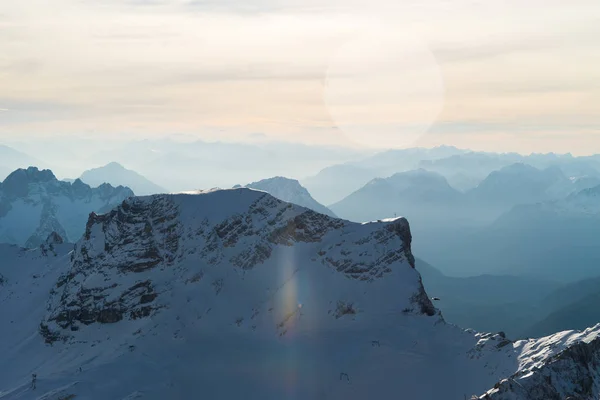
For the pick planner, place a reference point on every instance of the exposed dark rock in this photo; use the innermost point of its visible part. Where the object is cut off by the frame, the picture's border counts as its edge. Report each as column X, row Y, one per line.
column 88, row 305
column 344, row 308
column 148, row 298
column 109, row 316
column 423, row 303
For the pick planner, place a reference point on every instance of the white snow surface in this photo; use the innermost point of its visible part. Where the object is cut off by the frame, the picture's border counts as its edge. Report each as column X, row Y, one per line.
column 233, row 294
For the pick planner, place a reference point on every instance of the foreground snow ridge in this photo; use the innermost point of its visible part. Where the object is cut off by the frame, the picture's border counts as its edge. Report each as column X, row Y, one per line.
column 231, row 294
column 565, row 365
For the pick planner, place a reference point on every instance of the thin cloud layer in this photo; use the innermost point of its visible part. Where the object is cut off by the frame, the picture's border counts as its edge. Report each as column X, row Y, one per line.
column 201, row 67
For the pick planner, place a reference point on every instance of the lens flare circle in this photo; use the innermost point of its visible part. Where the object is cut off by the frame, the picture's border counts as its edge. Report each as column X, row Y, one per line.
column 384, row 88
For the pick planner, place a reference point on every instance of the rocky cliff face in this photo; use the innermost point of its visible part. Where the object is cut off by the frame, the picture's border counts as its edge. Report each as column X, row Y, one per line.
column 34, row 203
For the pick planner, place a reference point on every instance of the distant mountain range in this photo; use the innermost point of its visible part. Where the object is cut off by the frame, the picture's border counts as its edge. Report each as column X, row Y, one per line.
column 524, row 307
column 464, row 197
column 572, row 306
column 33, row 204
column 117, row 175
column 520, row 184
column 519, row 220
column 335, row 182
column 466, row 170
column 491, row 303
column 179, row 165
column 291, row 191
column 419, row 195
column 463, row 169
column 555, row 239
column 427, row 194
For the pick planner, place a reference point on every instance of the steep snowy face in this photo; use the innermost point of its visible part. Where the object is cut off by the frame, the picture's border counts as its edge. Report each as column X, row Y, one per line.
column 34, row 203
column 291, row 191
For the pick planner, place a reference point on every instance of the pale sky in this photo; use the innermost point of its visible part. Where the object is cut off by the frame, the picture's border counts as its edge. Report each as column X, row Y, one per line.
column 490, row 75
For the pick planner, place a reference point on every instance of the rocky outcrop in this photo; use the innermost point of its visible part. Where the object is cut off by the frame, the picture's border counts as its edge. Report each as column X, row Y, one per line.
column 137, row 236
column 49, row 245
column 97, row 305
column 54, row 238
column 48, row 223
column 370, row 269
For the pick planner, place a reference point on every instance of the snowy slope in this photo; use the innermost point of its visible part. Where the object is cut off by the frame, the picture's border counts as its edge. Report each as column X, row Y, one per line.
column 26, row 278
column 291, row 191
column 234, row 294
column 34, row 203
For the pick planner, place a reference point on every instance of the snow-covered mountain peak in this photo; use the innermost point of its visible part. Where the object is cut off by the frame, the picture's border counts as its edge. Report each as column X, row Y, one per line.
column 290, row 190
column 34, row 203
column 17, row 183
column 280, row 185
column 31, row 174
column 130, row 258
